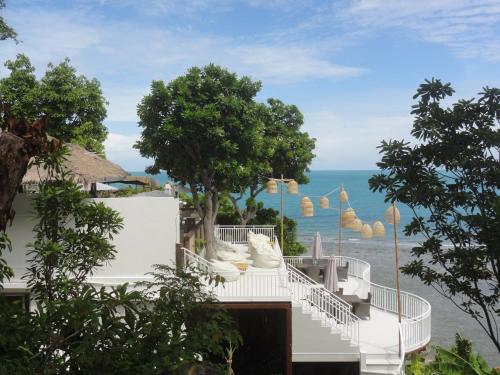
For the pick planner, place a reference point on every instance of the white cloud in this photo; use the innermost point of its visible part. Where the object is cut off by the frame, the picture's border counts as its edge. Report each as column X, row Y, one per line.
column 351, row 141
column 119, row 149
column 468, row 27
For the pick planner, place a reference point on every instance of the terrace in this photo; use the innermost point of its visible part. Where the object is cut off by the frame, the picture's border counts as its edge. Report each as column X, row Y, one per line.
column 380, row 341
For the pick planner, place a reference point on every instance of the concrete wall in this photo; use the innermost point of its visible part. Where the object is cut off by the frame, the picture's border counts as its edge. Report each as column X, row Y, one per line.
column 151, row 230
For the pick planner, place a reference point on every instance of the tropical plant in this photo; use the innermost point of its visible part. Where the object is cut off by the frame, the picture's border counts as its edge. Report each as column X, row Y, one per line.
column 452, row 173
column 459, row 360
column 75, row 327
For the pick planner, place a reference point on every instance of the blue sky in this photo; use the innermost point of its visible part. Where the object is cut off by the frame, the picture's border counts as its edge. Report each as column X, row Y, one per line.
column 350, row 66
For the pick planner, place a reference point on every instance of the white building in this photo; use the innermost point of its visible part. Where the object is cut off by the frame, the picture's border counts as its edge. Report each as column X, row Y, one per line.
column 314, row 328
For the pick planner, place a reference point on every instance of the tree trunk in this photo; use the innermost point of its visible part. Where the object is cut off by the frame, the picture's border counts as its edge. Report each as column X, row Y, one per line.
column 14, row 159
column 208, row 225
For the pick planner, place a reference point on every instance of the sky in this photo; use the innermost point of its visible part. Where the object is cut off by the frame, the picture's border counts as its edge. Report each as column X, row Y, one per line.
column 351, row 66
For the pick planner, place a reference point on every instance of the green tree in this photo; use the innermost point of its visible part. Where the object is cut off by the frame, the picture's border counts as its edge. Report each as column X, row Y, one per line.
column 6, row 32
column 75, row 105
column 162, row 326
column 453, row 173
column 286, row 151
column 203, row 129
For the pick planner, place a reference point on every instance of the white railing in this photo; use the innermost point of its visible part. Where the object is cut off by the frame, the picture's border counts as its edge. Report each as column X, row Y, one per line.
column 238, row 233
column 415, row 311
column 261, row 286
column 276, row 285
column 332, row 311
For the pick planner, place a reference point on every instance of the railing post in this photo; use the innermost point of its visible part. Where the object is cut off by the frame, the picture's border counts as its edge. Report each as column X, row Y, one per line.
column 179, row 257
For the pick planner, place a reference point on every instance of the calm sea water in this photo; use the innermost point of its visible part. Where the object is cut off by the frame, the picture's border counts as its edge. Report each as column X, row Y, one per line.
column 379, row 252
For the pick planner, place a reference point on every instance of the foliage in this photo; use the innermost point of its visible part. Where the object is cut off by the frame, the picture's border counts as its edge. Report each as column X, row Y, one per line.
column 6, row 32
column 286, row 151
column 202, row 129
column 75, row 105
column 76, row 327
column 5, row 271
column 459, row 360
column 453, row 172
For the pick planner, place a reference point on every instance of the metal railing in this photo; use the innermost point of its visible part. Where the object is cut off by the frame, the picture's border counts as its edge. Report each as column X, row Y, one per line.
column 415, row 311
column 258, row 286
column 238, row 233
column 330, row 309
column 276, row 284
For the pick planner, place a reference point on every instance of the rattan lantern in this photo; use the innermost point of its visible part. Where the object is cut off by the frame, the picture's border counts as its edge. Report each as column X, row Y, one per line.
column 348, row 216
column 366, row 231
column 324, row 202
column 356, row 225
column 378, row 229
column 389, row 215
column 343, row 196
column 293, row 187
column 271, row 187
column 308, row 209
column 303, row 201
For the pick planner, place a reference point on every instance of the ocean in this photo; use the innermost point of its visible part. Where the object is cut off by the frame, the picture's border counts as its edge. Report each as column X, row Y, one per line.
column 379, row 252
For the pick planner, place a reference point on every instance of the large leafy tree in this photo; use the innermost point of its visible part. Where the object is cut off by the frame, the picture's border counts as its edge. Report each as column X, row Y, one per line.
column 160, row 327
column 203, row 129
column 453, row 174
column 74, row 104
column 286, row 151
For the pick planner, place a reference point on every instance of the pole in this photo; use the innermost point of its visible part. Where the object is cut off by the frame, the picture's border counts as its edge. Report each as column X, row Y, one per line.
column 340, row 220
column 281, row 205
column 396, row 248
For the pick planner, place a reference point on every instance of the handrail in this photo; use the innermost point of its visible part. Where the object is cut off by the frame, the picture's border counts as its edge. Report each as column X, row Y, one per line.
column 238, row 233
column 415, row 310
column 332, row 310
column 267, row 285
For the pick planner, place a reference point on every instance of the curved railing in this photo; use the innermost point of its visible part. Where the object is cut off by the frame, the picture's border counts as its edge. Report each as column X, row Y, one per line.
column 415, row 311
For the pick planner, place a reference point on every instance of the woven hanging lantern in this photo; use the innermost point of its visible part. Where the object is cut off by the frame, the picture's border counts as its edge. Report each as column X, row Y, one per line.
column 378, row 229
column 366, row 231
column 356, row 225
column 308, row 209
column 293, row 187
column 343, row 196
column 303, row 201
column 389, row 215
column 324, row 202
column 348, row 216
column 271, row 187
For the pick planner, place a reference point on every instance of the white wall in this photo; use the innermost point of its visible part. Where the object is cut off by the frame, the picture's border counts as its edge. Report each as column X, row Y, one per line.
column 149, row 235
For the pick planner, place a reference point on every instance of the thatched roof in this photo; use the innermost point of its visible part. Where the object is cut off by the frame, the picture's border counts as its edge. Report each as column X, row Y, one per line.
column 85, row 166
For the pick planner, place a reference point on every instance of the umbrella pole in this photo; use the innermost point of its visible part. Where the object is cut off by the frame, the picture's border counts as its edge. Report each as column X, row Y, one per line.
column 396, row 248
column 340, row 220
column 281, row 205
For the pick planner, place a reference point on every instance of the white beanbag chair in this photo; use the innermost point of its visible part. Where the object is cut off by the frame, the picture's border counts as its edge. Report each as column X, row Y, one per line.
column 228, row 256
column 227, row 270
column 230, row 247
column 263, row 253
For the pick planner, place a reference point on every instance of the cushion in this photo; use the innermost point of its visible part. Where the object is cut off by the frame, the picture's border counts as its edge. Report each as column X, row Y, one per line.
column 229, row 256
column 225, row 269
column 225, row 246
